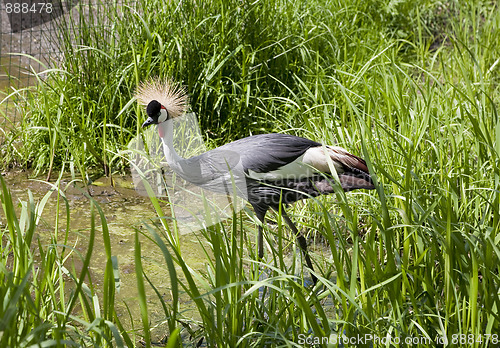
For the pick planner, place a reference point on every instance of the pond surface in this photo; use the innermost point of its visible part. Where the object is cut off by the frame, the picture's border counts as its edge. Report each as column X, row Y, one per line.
column 125, row 212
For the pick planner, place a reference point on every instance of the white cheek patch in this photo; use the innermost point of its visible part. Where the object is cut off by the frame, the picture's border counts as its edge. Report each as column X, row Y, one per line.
column 163, row 116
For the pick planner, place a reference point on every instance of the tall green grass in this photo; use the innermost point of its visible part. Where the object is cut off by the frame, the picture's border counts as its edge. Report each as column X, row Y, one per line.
column 412, row 87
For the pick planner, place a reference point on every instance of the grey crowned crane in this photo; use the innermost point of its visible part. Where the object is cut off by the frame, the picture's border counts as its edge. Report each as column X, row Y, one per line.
column 276, row 169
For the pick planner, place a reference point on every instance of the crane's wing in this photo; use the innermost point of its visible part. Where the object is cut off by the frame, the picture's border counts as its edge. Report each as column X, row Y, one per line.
column 202, row 190
column 266, row 153
column 285, row 158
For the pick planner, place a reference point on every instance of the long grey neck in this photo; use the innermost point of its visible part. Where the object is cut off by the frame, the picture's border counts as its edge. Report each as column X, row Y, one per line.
column 166, row 130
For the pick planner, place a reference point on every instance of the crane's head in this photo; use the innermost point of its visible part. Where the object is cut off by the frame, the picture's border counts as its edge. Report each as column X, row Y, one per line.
column 156, row 112
column 164, row 100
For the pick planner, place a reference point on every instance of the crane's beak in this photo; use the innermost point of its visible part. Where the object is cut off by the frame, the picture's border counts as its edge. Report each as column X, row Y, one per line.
column 148, row 122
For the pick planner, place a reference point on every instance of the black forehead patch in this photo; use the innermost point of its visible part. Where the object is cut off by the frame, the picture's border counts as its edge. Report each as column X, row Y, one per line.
column 153, row 108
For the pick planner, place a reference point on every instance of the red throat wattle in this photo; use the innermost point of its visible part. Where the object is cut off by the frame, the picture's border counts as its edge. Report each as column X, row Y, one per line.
column 160, row 131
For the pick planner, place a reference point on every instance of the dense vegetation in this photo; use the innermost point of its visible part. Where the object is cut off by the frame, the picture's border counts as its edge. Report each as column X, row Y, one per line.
column 411, row 86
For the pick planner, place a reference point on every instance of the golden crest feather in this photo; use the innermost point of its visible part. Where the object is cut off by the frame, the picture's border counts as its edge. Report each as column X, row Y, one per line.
column 168, row 93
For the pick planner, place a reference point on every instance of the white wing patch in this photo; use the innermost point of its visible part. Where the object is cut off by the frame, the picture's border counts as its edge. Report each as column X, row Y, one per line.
column 312, row 162
column 316, row 158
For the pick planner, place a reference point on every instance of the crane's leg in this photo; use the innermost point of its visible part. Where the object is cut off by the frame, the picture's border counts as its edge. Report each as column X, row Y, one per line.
column 260, row 238
column 260, row 241
column 302, row 242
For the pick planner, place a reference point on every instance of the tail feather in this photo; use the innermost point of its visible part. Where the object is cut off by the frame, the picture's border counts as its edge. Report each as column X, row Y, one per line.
column 352, row 181
column 356, row 174
column 347, row 159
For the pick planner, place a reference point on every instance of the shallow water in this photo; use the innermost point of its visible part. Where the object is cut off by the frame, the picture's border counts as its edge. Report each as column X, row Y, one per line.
column 125, row 212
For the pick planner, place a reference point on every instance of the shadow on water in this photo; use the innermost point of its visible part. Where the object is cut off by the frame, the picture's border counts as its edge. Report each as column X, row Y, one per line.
column 125, row 212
